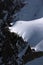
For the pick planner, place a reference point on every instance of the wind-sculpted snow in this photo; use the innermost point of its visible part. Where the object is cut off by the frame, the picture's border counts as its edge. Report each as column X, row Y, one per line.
column 31, row 31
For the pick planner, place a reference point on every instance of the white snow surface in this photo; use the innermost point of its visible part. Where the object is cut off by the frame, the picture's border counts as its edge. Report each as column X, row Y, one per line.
column 31, row 31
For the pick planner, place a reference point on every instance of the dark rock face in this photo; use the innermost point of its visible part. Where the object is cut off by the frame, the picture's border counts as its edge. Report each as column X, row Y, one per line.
column 9, row 42
column 31, row 54
column 11, row 46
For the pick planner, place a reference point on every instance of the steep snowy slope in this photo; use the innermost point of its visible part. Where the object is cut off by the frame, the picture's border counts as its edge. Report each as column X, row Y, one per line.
column 32, row 10
column 31, row 31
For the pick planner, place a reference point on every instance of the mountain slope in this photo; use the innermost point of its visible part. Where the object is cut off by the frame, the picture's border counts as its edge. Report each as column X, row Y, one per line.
column 31, row 31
